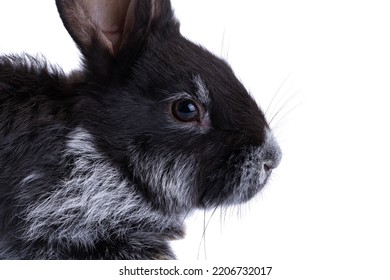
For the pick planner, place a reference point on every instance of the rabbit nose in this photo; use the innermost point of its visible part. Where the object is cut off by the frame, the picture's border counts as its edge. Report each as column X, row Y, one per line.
column 271, row 153
column 267, row 167
column 270, row 165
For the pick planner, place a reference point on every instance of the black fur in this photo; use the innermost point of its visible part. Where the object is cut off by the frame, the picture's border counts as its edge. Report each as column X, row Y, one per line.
column 122, row 102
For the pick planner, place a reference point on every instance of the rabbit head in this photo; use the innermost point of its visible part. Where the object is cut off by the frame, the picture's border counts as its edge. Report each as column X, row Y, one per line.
column 170, row 113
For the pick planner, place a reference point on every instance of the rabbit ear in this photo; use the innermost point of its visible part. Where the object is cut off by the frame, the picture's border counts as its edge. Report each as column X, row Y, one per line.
column 106, row 25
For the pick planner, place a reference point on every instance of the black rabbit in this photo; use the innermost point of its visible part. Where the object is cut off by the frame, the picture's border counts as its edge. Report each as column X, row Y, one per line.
column 105, row 163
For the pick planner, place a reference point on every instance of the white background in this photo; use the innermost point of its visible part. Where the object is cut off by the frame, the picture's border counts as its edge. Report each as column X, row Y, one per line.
column 326, row 65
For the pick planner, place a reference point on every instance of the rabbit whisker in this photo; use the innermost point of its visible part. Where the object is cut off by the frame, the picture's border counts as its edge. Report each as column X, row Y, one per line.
column 205, row 226
column 283, row 106
column 276, row 94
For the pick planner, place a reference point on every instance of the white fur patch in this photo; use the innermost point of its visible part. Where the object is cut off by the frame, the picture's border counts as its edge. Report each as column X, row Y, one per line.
column 30, row 178
column 93, row 200
column 202, row 90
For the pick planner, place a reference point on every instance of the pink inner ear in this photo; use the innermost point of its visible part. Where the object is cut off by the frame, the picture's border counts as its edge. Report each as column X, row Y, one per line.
column 113, row 35
column 109, row 17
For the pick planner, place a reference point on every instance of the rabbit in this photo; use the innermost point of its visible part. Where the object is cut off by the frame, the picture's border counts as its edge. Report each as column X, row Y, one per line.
column 107, row 162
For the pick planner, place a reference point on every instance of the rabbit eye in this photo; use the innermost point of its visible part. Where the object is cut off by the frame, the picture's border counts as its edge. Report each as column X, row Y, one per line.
column 185, row 110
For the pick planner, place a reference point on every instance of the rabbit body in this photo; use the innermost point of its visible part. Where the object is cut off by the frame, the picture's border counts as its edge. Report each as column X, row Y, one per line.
column 106, row 163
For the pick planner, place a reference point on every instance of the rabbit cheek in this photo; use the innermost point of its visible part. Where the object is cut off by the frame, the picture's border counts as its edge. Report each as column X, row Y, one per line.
column 166, row 178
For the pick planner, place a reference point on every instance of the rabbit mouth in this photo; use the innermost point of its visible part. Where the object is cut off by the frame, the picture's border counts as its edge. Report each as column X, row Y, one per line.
column 256, row 169
column 246, row 173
